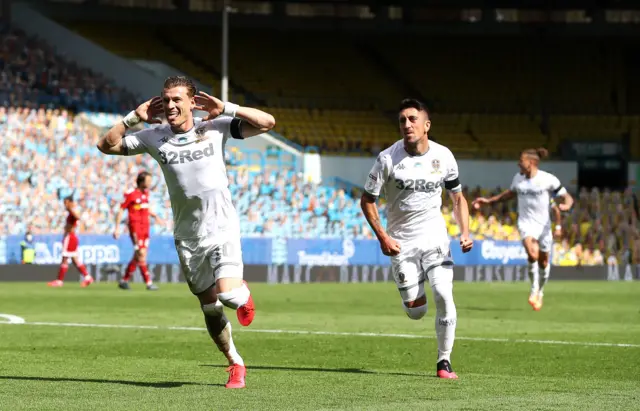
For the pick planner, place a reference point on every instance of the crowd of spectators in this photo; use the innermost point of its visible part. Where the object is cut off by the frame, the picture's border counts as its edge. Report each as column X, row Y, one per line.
column 33, row 75
column 601, row 225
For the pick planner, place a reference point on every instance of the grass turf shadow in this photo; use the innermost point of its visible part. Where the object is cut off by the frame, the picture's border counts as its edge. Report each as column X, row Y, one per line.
column 317, row 369
column 163, row 384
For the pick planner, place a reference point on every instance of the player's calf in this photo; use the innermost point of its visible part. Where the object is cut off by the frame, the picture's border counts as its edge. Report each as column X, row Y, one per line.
column 219, row 329
column 131, row 268
column 446, row 317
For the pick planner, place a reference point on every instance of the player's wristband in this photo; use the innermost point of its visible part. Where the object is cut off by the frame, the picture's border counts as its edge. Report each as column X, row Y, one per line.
column 558, row 227
column 230, row 109
column 131, row 119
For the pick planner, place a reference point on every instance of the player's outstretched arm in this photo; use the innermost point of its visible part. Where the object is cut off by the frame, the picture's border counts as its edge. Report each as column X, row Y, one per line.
column 504, row 196
column 255, row 121
column 111, row 142
column 388, row 245
column 461, row 212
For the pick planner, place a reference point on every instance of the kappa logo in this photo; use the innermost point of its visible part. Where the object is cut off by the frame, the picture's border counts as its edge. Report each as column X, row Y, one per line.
column 400, row 167
column 165, row 139
column 182, row 156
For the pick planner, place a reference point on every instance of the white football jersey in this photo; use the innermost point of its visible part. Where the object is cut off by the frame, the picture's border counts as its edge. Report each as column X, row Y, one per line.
column 195, row 172
column 412, row 186
column 534, row 197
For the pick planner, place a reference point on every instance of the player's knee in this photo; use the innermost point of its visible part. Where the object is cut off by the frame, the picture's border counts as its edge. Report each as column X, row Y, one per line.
column 212, row 309
column 235, row 298
column 415, row 312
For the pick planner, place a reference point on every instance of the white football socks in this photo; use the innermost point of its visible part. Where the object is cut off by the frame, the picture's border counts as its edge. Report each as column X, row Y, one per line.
column 534, row 276
column 545, row 276
column 446, row 318
column 233, row 353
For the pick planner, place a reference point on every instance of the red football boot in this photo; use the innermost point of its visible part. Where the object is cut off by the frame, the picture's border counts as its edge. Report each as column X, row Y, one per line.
column 246, row 312
column 55, row 283
column 445, row 370
column 236, row 376
column 88, row 280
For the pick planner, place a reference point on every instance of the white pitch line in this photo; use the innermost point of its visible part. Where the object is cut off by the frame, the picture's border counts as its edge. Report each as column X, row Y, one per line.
column 334, row 333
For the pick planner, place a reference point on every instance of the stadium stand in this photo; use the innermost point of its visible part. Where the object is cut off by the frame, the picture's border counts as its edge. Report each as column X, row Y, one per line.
column 487, row 99
column 33, row 75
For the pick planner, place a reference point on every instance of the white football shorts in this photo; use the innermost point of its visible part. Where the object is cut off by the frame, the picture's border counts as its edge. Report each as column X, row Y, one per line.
column 415, row 263
column 538, row 232
column 206, row 260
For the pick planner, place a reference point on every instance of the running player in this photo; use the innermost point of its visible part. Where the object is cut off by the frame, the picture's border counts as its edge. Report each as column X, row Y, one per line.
column 534, row 189
column 70, row 247
column 136, row 202
column 411, row 174
column 190, row 152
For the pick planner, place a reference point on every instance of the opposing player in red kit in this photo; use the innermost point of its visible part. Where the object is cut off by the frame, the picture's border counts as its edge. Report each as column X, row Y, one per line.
column 136, row 202
column 70, row 247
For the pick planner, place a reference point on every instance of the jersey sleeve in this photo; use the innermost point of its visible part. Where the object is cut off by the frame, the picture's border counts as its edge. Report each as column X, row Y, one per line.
column 135, row 143
column 377, row 177
column 229, row 127
column 127, row 201
column 555, row 187
column 514, row 182
column 452, row 178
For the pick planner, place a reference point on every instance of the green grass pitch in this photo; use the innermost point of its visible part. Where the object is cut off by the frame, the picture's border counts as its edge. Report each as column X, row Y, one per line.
column 569, row 356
